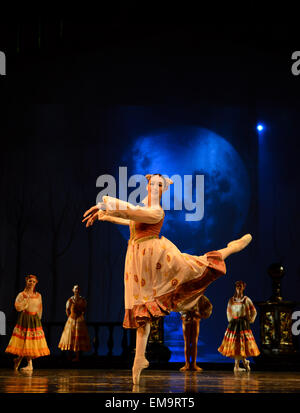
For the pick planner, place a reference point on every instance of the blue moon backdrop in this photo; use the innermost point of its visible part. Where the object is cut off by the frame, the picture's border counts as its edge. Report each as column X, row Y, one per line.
column 183, row 150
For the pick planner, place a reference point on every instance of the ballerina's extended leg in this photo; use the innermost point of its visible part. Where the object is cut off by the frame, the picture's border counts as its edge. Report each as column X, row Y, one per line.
column 236, row 246
column 140, row 361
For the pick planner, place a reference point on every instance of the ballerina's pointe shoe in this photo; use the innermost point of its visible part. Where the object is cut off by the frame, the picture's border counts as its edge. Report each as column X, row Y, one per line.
column 138, row 365
column 247, row 365
column 238, row 369
column 241, row 243
column 27, row 368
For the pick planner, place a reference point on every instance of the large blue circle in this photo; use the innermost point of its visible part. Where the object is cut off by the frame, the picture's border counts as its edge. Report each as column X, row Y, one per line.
column 196, row 151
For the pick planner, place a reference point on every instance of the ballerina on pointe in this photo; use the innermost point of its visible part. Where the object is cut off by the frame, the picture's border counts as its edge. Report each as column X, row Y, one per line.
column 158, row 277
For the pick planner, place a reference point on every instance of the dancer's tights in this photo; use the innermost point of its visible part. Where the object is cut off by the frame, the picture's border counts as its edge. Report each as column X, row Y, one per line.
column 142, row 335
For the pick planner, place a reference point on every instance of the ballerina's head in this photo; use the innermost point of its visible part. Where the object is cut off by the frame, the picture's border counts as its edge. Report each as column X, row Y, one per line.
column 157, row 184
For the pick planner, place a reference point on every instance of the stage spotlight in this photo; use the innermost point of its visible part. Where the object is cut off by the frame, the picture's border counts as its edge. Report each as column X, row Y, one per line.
column 260, row 127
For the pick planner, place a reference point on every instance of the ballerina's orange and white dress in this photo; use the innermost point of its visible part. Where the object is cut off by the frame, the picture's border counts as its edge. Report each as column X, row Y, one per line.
column 158, row 277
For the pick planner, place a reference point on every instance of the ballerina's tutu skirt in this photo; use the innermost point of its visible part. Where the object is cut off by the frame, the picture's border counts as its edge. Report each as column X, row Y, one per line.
column 28, row 338
column 160, row 279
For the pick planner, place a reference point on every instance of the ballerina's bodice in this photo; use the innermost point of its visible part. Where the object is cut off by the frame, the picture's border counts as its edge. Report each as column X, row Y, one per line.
column 140, row 231
column 76, row 307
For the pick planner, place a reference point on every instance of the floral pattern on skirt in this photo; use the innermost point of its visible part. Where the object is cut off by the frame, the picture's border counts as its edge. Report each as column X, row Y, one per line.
column 159, row 279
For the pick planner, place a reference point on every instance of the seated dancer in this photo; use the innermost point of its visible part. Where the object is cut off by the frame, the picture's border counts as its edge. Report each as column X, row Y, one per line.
column 28, row 339
column 238, row 341
column 190, row 328
column 158, row 277
column 75, row 336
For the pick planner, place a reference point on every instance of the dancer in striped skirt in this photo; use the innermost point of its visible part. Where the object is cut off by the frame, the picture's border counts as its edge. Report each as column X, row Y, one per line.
column 238, row 341
column 28, row 339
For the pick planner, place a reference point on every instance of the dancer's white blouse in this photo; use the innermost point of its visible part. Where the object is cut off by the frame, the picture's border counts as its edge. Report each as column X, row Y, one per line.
column 243, row 308
column 121, row 212
column 32, row 304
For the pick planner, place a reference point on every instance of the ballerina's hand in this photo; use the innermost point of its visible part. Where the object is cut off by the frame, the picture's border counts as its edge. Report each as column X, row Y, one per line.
column 91, row 215
column 101, row 216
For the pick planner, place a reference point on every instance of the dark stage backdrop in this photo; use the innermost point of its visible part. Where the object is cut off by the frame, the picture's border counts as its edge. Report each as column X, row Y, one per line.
column 51, row 160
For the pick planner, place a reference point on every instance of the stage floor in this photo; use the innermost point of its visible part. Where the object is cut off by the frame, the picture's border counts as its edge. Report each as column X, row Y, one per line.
column 64, row 381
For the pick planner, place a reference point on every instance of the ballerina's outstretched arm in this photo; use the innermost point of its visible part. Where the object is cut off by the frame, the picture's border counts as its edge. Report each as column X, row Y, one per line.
column 120, row 212
column 93, row 214
column 116, row 208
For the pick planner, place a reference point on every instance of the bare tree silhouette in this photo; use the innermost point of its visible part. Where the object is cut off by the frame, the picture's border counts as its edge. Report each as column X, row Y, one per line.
column 65, row 221
column 22, row 199
column 62, row 219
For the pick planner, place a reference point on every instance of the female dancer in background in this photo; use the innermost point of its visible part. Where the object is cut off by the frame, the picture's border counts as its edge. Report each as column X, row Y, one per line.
column 158, row 277
column 75, row 336
column 238, row 341
column 28, row 339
